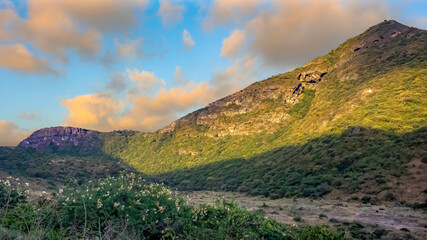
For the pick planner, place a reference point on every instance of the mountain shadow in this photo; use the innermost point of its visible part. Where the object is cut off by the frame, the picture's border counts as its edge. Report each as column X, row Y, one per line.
column 358, row 161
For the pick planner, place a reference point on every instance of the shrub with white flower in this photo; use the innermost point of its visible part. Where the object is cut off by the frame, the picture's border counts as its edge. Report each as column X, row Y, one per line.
column 128, row 202
column 128, row 207
column 11, row 193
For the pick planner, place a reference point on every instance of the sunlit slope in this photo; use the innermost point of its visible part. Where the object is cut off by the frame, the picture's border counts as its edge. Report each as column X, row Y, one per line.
column 375, row 81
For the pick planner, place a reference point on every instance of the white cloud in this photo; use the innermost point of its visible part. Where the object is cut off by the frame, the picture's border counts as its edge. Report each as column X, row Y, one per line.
column 170, row 13
column 233, row 44
column 222, row 12
column 187, row 40
column 57, row 28
column 292, row 32
column 7, row 16
column 146, row 81
column 140, row 111
column 17, row 57
column 10, row 134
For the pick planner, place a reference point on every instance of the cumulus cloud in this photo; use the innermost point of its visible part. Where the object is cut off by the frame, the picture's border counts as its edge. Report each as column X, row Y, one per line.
column 225, row 11
column 55, row 27
column 145, row 113
column 150, row 114
column 7, row 16
column 10, row 134
column 297, row 31
column 145, row 81
column 17, row 57
column 187, row 40
column 170, row 13
column 103, row 15
column 51, row 29
column 91, row 111
column 232, row 44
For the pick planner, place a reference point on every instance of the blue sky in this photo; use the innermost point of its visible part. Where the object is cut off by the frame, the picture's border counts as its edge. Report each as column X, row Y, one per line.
column 139, row 64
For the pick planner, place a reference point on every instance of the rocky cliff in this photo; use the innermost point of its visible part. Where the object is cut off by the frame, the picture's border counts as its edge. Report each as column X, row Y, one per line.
column 276, row 92
column 63, row 139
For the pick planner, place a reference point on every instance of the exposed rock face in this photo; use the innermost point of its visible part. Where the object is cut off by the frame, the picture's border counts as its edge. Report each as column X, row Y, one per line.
column 278, row 88
column 311, row 77
column 62, row 138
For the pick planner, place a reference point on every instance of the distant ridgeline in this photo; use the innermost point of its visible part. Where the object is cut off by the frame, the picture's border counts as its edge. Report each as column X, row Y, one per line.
column 350, row 123
column 59, row 153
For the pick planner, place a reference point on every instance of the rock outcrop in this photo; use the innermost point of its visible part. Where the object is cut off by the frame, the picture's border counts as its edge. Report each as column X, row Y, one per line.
column 311, row 77
column 279, row 89
column 62, row 139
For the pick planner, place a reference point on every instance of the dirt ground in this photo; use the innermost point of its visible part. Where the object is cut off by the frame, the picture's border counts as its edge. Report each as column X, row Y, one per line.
column 403, row 222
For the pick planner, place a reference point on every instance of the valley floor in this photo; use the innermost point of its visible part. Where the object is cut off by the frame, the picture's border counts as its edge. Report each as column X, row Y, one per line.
column 361, row 221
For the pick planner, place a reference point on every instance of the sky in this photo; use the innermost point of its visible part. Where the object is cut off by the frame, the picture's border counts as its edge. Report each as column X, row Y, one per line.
column 140, row 64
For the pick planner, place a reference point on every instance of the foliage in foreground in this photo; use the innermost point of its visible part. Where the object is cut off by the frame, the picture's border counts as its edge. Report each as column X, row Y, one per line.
column 129, row 208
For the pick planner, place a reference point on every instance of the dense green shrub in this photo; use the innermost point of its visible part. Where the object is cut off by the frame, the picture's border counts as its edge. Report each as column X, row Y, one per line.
column 127, row 207
column 124, row 205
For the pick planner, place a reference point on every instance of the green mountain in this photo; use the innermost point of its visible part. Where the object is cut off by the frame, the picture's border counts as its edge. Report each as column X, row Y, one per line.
column 52, row 156
column 350, row 120
column 347, row 124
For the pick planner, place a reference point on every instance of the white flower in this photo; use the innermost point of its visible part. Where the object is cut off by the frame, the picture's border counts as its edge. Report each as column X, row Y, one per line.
column 27, row 184
column 61, row 191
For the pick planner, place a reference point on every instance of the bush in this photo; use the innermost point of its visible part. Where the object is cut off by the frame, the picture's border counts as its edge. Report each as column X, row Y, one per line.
column 389, row 197
column 122, row 206
column 10, row 194
column 317, row 232
column 298, row 219
column 127, row 207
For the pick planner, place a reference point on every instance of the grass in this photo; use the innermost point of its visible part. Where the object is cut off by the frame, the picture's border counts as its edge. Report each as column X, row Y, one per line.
column 300, row 109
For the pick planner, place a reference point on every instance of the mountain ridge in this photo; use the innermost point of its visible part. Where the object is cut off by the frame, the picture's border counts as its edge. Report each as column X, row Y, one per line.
column 374, row 81
column 247, row 100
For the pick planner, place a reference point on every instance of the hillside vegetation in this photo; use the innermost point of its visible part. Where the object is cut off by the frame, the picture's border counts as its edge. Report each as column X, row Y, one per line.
column 350, row 120
column 346, row 124
column 55, row 169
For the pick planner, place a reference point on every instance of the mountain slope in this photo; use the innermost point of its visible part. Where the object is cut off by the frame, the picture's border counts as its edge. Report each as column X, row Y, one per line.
column 374, row 81
column 347, row 122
